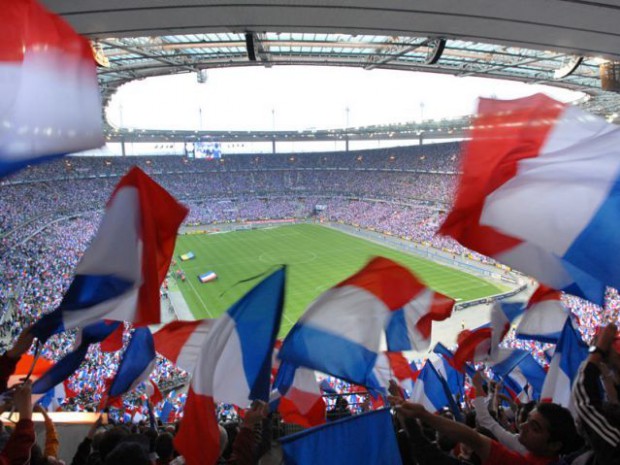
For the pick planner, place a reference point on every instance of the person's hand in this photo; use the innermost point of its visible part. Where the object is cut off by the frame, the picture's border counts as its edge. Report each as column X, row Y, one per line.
column 396, row 400
column 394, row 389
column 255, row 414
column 22, row 344
column 22, row 399
column 411, row 410
column 478, row 382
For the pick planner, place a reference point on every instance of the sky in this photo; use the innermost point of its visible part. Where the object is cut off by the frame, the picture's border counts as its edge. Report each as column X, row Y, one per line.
column 300, row 98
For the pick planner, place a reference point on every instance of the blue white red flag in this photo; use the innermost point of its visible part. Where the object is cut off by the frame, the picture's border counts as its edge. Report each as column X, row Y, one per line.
column 432, row 391
column 69, row 364
column 532, row 164
column 53, row 399
column 393, row 366
column 297, row 396
column 340, row 333
column 137, row 363
column 49, row 96
column 473, row 346
column 120, row 274
column 544, row 316
column 361, row 439
column 502, row 316
column 520, row 372
column 153, row 393
column 570, row 352
column 181, row 341
column 454, row 378
column 234, row 366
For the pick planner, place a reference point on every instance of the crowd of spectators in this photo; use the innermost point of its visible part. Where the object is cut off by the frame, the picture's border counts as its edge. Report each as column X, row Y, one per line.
column 49, row 213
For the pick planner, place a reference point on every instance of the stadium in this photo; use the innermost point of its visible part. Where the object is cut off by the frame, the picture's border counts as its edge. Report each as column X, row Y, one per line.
column 319, row 201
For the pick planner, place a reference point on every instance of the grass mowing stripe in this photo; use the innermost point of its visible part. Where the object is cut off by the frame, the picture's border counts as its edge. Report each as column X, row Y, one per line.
column 317, row 258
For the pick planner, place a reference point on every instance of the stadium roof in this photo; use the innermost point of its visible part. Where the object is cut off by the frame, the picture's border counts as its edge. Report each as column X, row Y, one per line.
column 532, row 41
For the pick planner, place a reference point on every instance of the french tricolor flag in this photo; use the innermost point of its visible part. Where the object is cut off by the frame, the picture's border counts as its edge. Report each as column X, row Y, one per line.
column 540, row 192
column 570, row 352
column 520, row 371
column 137, row 363
column 181, row 341
column 297, row 396
column 544, row 316
column 233, row 366
column 340, row 333
column 120, row 274
column 68, row 365
column 473, row 346
column 394, row 366
column 432, row 391
column 49, row 96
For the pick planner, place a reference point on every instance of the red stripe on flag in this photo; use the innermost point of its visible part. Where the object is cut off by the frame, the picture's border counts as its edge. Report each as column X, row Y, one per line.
column 441, row 309
column 313, row 406
column 544, row 293
column 26, row 25
column 198, row 439
column 114, row 341
column 505, row 132
column 469, row 341
column 388, row 281
column 170, row 339
column 160, row 218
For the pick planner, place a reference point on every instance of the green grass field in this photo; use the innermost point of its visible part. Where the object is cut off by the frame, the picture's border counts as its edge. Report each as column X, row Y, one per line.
column 317, row 257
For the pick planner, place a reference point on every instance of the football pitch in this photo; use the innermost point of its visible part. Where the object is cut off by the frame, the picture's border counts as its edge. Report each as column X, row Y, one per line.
column 317, row 258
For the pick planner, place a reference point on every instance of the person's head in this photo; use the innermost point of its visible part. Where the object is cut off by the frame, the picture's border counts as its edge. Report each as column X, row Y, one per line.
column 111, row 439
column 128, row 453
column 164, row 447
column 549, row 431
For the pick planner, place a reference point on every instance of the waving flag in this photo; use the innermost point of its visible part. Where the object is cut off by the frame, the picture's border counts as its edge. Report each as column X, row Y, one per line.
column 234, row 367
column 53, row 398
column 49, row 96
column 153, row 393
column 137, row 363
column 539, row 192
column 66, row 366
column 432, row 391
column 544, row 317
column 114, row 342
column 474, row 346
column 445, row 368
column 569, row 353
column 502, row 316
column 120, row 274
column 340, row 333
column 519, row 371
column 181, row 341
column 362, row 439
column 297, row 396
column 393, row 366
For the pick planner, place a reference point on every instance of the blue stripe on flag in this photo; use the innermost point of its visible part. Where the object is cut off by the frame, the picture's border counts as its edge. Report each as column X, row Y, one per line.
column 61, row 371
column 89, row 290
column 598, row 242
column 362, row 439
column 139, row 354
column 257, row 317
column 396, row 332
column 329, row 353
